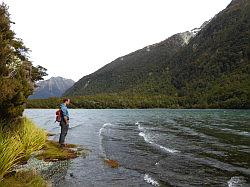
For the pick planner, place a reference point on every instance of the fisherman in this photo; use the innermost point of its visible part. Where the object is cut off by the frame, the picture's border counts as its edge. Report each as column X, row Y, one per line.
column 64, row 123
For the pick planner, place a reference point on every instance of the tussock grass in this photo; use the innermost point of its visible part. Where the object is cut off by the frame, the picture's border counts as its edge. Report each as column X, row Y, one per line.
column 23, row 179
column 11, row 150
column 18, row 143
column 32, row 137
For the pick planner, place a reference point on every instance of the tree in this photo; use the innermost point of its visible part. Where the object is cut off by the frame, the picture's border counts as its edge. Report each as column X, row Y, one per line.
column 17, row 74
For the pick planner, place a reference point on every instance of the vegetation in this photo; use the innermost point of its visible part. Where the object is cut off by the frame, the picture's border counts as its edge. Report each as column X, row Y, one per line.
column 17, row 74
column 214, row 67
column 11, row 152
column 125, row 73
column 53, row 152
column 19, row 137
column 17, row 144
column 32, row 137
column 23, row 179
column 107, row 101
column 102, row 101
column 212, row 70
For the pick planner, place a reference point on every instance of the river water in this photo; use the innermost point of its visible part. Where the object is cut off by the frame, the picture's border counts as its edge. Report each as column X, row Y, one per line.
column 155, row 147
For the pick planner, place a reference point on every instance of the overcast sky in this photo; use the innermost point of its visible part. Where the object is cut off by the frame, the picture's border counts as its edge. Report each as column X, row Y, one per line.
column 75, row 38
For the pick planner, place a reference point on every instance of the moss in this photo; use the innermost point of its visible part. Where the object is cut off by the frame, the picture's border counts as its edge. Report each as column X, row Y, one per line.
column 23, row 179
column 53, row 152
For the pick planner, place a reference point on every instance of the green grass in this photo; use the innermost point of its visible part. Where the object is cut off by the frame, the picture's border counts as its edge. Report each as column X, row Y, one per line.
column 11, row 150
column 17, row 144
column 53, row 152
column 32, row 137
column 23, row 179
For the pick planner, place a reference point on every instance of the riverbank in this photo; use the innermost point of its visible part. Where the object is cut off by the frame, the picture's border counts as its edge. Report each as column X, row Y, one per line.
column 27, row 156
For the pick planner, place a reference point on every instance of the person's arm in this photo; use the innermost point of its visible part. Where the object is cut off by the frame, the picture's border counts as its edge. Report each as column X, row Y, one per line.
column 65, row 119
column 64, row 113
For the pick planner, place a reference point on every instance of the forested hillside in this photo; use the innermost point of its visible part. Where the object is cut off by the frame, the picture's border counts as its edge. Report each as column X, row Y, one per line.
column 209, row 69
column 127, row 72
column 214, row 67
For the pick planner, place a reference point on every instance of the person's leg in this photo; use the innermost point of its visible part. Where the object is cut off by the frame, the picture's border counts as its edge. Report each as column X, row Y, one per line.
column 64, row 130
column 61, row 134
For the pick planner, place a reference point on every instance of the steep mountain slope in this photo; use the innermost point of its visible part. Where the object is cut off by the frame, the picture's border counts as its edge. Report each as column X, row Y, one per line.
column 209, row 68
column 53, row 87
column 131, row 70
column 214, row 66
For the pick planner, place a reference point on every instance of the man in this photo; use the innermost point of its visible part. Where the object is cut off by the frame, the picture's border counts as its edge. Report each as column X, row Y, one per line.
column 64, row 123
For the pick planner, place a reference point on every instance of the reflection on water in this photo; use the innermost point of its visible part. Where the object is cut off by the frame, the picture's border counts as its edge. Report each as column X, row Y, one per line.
column 156, row 147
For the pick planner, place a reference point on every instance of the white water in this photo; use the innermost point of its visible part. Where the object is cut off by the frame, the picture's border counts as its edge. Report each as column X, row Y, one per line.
column 147, row 139
column 150, row 180
column 103, row 127
column 236, row 182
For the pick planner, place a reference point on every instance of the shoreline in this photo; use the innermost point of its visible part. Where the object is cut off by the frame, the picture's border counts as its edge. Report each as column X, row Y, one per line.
column 31, row 158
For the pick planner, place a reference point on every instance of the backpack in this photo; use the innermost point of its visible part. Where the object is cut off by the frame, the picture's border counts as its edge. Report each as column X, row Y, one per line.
column 58, row 116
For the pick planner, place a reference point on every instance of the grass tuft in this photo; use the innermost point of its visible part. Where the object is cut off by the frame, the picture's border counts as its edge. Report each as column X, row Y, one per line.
column 11, row 150
column 17, row 144
column 32, row 137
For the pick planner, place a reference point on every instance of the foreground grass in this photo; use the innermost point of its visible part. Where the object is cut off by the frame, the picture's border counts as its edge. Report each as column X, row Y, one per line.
column 23, row 179
column 17, row 144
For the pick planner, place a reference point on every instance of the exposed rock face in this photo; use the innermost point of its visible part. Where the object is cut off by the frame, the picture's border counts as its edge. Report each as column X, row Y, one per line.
column 53, row 87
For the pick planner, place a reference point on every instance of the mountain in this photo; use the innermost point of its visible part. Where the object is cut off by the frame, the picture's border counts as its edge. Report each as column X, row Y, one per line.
column 214, row 67
column 53, row 87
column 207, row 66
column 128, row 71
